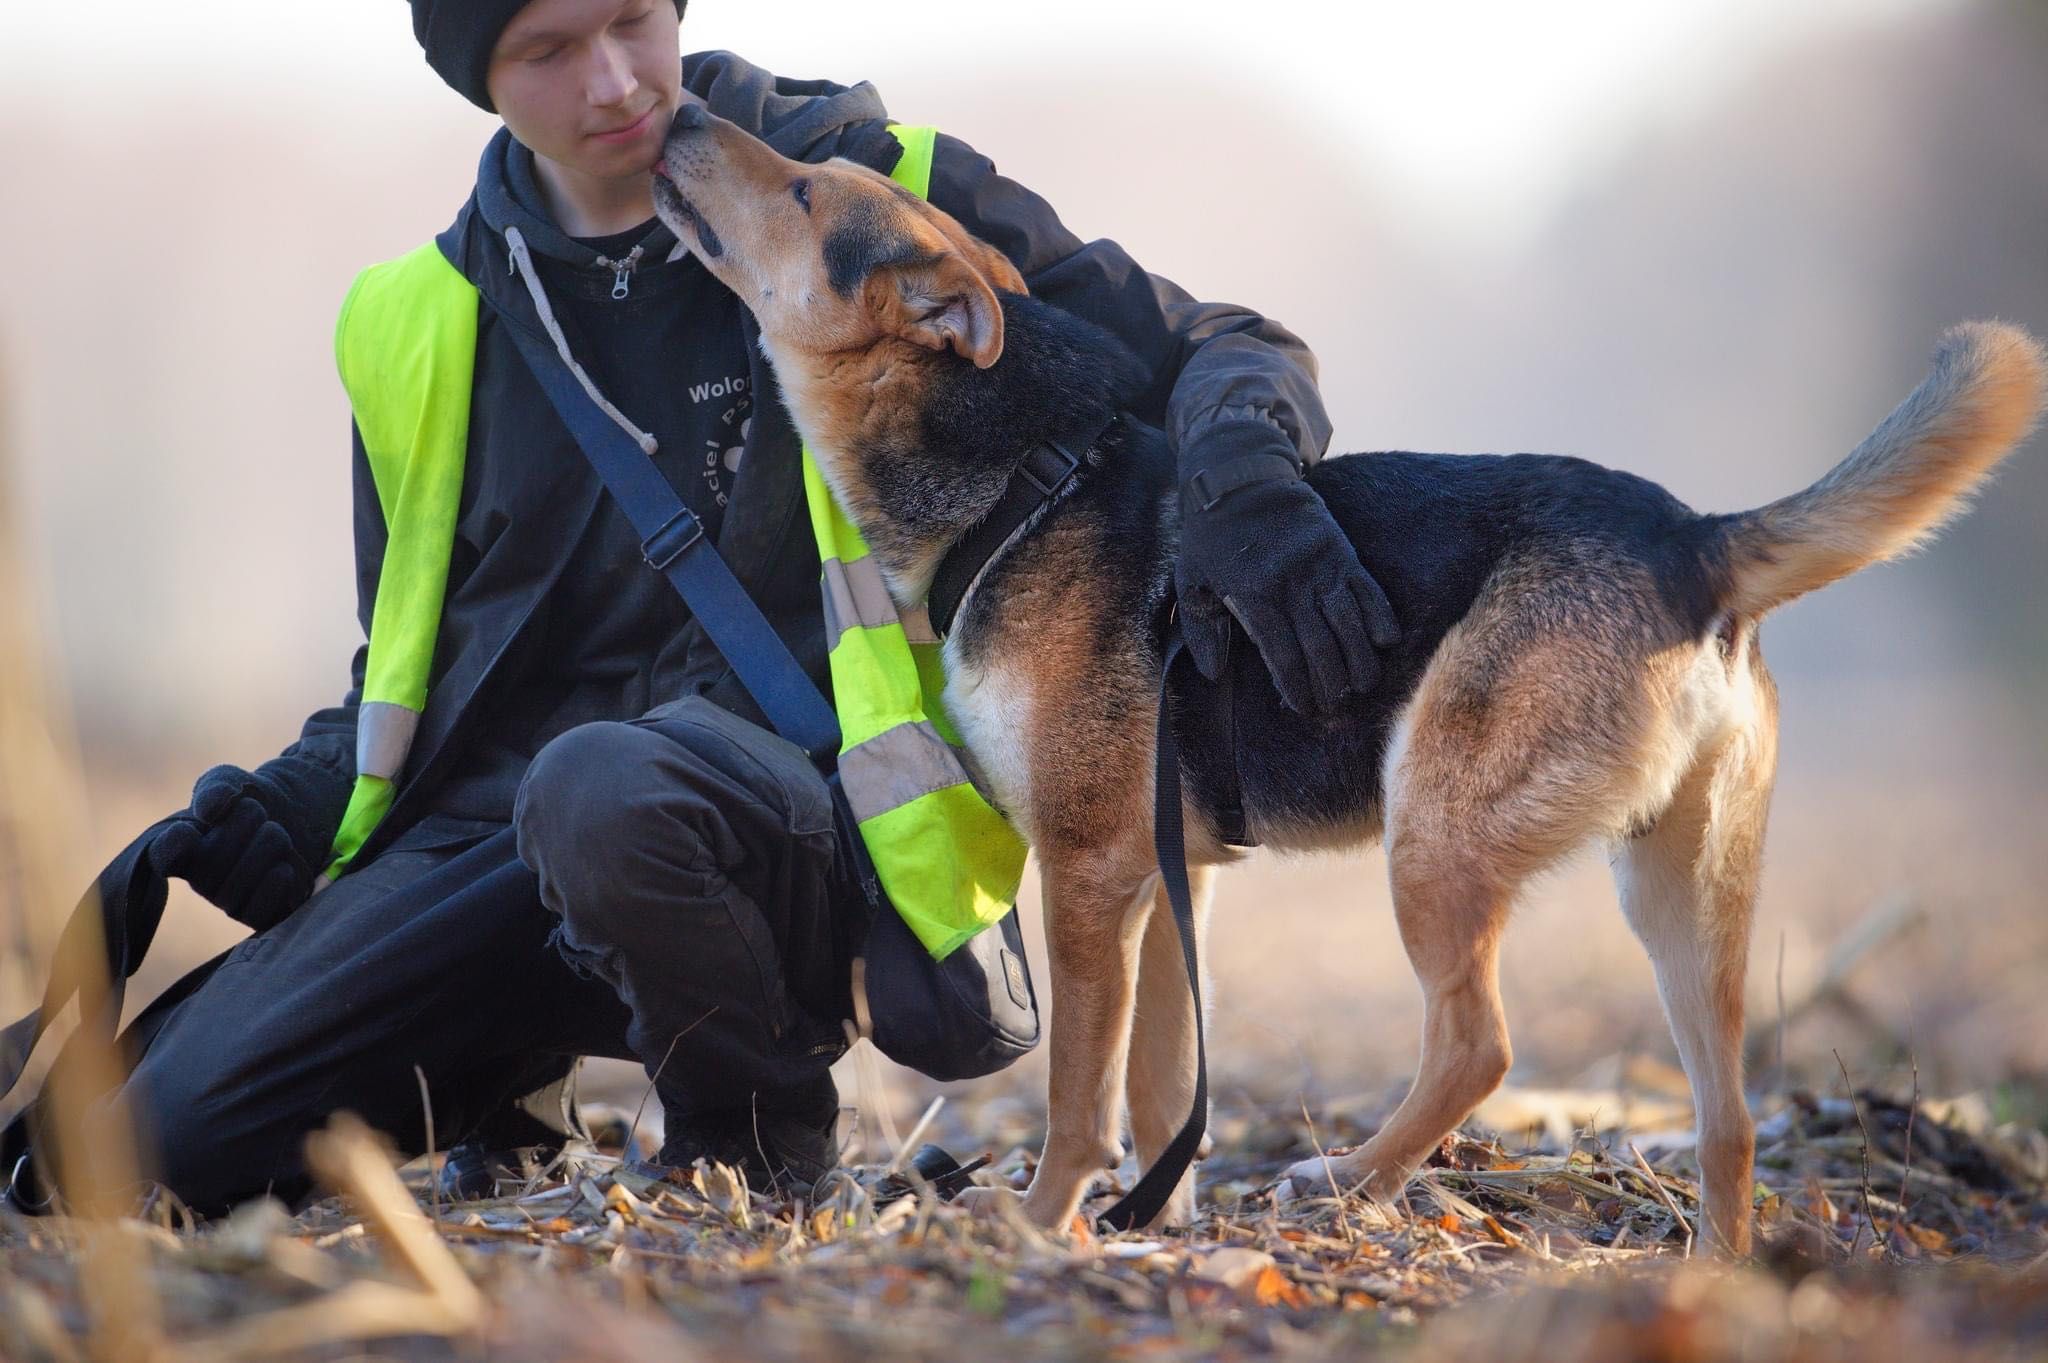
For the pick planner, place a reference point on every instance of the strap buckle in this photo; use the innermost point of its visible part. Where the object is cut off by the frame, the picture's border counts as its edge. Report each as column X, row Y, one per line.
column 676, row 534
column 1211, row 485
column 1065, row 458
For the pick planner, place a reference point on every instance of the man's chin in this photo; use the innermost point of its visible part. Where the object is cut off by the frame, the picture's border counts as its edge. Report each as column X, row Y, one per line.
column 628, row 160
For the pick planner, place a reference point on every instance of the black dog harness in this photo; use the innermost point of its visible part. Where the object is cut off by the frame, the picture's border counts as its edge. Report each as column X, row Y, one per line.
column 1048, row 467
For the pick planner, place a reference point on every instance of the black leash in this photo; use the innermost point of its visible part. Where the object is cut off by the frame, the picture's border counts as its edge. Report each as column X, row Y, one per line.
column 1046, row 469
column 111, row 929
column 1169, row 842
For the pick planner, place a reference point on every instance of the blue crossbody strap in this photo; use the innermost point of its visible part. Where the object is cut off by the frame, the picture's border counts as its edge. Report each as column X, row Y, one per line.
column 673, row 542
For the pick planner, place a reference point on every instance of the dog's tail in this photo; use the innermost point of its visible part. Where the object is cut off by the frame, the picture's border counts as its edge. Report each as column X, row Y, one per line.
column 1912, row 474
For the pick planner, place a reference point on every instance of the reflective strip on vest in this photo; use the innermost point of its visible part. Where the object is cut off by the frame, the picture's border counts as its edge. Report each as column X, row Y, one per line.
column 406, row 348
column 949, row 861
column 855, row 594
column 383, row 737
column 897, row 766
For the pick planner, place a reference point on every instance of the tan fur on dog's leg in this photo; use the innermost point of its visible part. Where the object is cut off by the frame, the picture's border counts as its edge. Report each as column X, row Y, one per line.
column 1530, row 732
column 1160, row 1084
column 1689, row 888
column 1451, row 920
column 1095, row 911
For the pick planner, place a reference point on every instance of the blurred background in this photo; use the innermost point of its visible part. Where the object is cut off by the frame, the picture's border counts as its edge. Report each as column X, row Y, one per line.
column 1710, row 241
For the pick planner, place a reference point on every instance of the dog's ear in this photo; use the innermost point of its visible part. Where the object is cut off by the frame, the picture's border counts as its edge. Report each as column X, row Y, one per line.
column 949, row 305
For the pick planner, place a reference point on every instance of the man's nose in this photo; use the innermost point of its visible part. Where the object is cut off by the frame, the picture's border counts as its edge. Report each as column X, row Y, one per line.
column 611, row 81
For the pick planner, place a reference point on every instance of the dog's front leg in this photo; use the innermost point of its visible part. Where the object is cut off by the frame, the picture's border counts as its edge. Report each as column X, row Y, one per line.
column 1095, row 910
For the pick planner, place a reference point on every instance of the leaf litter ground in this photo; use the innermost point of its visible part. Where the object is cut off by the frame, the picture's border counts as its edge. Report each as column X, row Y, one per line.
column 1889, row 1230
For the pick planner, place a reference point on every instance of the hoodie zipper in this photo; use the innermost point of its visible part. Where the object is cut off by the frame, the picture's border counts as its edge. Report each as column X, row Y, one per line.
column 622, row 272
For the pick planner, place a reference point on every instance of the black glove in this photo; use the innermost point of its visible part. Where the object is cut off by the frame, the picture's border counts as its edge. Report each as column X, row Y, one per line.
column 1257, row 544
column 252, row 842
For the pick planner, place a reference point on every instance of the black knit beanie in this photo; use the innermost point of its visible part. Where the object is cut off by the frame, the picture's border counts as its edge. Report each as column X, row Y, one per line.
column 458, row 35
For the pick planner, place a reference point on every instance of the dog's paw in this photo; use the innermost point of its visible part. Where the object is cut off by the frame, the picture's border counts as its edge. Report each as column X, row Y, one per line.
column 991, row 1204
column 1019, row 1208
column 1308, row 1178
column 1351, row 1174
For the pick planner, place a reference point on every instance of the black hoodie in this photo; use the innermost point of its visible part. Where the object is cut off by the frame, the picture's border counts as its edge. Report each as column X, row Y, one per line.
column 551, row 618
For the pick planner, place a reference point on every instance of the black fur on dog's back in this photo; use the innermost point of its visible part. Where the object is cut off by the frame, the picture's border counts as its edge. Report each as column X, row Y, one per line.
column 1596, row 564
column 1433, row 529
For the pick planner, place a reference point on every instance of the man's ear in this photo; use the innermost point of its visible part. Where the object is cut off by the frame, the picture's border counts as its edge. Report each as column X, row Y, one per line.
column 949, row 305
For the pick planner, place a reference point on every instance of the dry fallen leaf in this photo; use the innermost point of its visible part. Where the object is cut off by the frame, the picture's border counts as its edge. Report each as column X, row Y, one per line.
column 1271, row 1287
column 1233, row 1266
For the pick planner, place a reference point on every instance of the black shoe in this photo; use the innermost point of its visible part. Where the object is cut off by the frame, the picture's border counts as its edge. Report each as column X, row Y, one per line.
column 474, row 1170
column 944, row 1175
column 781, row 1151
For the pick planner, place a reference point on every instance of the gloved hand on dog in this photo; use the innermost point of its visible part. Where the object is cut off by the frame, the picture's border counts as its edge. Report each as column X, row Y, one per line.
column 252, row 842
column 1258, row 545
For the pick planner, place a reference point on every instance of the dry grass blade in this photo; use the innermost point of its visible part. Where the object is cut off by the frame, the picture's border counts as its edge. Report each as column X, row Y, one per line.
column 1657, row 1186
column 1869, row 1205
column 364, row 1310
column 41, row 818
column 427, row 1108
column 916, row 1130
column 348, row 1159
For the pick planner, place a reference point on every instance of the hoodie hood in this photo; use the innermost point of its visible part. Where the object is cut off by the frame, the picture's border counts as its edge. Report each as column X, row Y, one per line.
column 806, row 120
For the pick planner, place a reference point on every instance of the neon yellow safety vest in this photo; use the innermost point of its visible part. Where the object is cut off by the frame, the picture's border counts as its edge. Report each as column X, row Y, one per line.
column 406, row 347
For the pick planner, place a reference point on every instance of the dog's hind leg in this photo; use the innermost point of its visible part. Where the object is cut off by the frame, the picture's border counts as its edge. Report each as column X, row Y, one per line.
column 1451, row 911
column 1526, row 737
column 1160, row 1084
column 1689, row 887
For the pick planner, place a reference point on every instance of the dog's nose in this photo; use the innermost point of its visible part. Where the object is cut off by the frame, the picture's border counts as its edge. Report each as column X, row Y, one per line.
column 692, row 116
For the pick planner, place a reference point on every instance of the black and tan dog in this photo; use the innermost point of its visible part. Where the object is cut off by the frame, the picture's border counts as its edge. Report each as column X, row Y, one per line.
column 1579, row 661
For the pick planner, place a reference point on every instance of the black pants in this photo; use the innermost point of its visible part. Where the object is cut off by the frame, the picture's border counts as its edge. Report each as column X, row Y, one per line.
column 667, row 892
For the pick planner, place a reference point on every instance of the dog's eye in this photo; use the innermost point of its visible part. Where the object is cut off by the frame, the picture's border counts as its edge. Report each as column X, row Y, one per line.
column 802, row 190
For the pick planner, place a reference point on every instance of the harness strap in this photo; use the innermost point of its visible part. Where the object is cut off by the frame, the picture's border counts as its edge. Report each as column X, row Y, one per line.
column 1046, row 469
column 1169, row 842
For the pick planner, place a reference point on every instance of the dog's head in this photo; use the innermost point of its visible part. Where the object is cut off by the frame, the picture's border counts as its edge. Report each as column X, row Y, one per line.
column 834, row 258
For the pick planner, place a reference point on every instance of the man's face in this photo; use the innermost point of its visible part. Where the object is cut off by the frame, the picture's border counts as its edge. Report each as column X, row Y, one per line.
column 590, row 84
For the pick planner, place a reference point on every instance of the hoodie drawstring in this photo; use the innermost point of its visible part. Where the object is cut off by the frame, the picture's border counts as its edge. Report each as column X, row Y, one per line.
column 522, row 265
